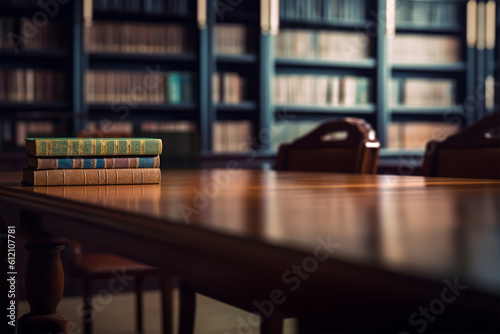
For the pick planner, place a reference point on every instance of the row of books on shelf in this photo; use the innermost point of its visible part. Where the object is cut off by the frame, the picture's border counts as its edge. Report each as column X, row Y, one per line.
column 28, row 35
column 232, row 136
column 323, row 10
column 411, row 49
column 322, row 44
column 428, row 13
column 231, row 39
column 405, row 135
column 139, row 87
column 416, row 92
column 25, row 129
column 322, row 90
column 228, row 87
column 137, row 37
column 28, row 85
column 236, row 136
column 174, row 7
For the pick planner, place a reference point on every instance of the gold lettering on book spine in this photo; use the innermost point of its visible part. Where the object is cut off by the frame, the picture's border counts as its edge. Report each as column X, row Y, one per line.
column 143, row 146
column 80, row 147
column 129, row 145
column 117, row 149
column 70, row 147
column 103, row 147
column 92, row 147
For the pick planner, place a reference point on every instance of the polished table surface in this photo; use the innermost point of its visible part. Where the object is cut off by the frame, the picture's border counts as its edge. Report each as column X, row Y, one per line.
column 413, row 229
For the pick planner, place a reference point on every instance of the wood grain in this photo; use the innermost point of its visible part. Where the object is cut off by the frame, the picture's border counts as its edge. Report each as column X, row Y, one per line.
column 399, row 237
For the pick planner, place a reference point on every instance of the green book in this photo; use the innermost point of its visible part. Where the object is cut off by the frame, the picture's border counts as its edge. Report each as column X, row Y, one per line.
column 174, row 87
column 81, row 147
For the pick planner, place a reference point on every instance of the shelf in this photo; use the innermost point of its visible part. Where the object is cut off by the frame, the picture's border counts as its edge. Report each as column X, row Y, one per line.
column 328, row 109
column 34, row 106
column 426, row 114
column 353, row 64
column 401, row 152
column 6, row 54
column 237, row 59
column 427, row 29
column 444, row 67
column 426, row 110
column 316, row 24
column 231, row 155
column 247, row 106
column 142, row 57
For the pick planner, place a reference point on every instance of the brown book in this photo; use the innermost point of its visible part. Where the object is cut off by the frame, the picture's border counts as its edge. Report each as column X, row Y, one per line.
column 94, row 163
column 69, row 177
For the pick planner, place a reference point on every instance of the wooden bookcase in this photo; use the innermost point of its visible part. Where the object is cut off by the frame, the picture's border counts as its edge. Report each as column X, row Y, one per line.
column 258, row 65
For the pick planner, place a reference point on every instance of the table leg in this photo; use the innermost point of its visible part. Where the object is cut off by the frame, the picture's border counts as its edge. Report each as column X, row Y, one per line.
column 44, row 281
column 187, row 312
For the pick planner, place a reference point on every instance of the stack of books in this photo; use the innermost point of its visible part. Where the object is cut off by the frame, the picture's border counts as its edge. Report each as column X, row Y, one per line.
column 92, row 161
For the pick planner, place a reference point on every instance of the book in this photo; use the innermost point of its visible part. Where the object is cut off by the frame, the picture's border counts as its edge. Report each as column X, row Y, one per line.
column 53, row 147
column 232, row 136
column 322, row 44
column 428, row 13
column 93, row 163
column 429, row 92
column 122, row 86
column 73, row 177
column 137, row 38
column 29, row 85
column 352, row 11
column 229, row 87
column 231, row 39
column 423, row 49
column 404, row 135
column 322, row 90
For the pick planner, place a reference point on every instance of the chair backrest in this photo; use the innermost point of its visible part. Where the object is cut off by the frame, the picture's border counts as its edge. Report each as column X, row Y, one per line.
column 471, row 153
column 348, row 145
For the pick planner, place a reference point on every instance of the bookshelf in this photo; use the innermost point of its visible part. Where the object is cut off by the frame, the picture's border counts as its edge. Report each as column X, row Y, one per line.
column 223, row 75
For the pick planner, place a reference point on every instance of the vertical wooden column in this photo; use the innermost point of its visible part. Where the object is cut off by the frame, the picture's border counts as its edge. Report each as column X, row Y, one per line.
column 44, row 280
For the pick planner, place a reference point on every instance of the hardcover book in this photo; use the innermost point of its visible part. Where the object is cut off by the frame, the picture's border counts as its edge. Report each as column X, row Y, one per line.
column 93, row 163
column 53, row 147
column 69, row 177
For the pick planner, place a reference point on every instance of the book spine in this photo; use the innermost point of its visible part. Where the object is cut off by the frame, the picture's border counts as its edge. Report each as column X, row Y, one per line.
column 96, row 147
column 129, row 162
column 68, row 177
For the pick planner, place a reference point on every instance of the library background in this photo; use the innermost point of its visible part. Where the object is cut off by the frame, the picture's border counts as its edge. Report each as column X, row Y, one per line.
column 223, row 80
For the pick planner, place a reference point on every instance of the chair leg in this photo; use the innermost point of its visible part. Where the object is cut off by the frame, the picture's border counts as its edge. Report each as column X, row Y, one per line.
column 87, row 307
column 187, row 307
column 138, row 304
column 167, row 287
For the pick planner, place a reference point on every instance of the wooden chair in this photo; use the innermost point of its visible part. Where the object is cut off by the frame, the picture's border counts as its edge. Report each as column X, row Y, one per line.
column 471, row 153
column 89, row 267
column 342, row 146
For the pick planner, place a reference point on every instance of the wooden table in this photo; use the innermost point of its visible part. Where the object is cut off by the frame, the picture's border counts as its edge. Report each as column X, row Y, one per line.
column 345, row 253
